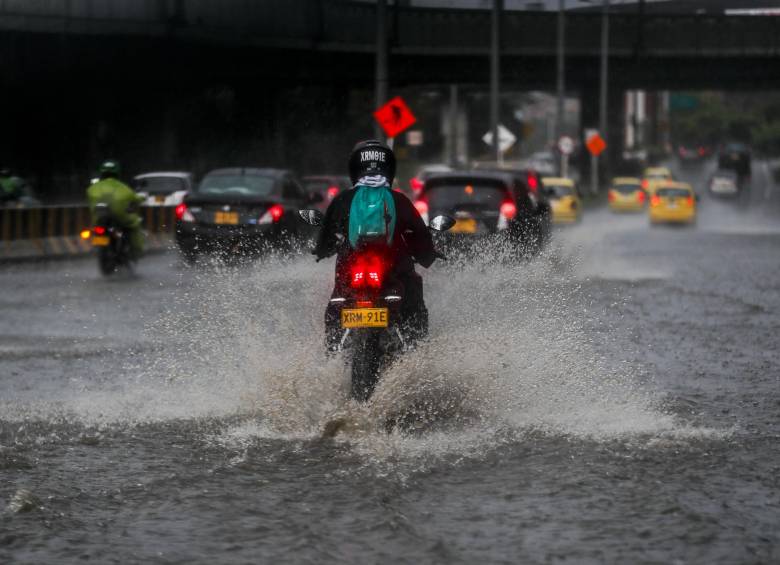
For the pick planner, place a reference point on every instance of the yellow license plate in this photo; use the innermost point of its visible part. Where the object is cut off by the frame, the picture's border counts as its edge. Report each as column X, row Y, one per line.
column 465, row 225
column 226, row 218
column 100, row 240
column 159, row 199
column 364, row 318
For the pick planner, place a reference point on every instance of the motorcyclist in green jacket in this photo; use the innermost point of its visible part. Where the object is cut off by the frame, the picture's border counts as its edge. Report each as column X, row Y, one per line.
column 122, row 202
column 10, row 186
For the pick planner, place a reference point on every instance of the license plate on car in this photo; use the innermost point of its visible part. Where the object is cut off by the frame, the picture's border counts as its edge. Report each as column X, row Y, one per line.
column 100, row 240
column 464, row 225
column 226, row 218
column 364, row 318
column 159, row 199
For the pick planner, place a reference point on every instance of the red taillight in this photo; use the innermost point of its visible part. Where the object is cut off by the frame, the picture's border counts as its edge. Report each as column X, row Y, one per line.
column 533, row 183
column 690, row 201
column 702, row 151
column 416, row 184
column 640, row 196
column 276, row 211
column 645, row 183
column 508, row 210
column 655, row 200
column 611, row 196
column 422, row 206
column 180, row 210
column 367, row 270
column 99, row 230
column 332, row 192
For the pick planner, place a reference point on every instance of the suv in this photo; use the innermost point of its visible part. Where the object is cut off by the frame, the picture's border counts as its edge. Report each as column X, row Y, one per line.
column 485, row 204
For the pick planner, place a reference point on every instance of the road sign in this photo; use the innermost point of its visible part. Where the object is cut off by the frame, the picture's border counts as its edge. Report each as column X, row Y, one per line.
column 595, row 143
column 394, row 117
column 566, row 145
column 506, row 138
column 414, row 137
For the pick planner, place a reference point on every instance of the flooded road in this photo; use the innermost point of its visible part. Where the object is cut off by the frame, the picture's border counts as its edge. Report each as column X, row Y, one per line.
column 615, row 400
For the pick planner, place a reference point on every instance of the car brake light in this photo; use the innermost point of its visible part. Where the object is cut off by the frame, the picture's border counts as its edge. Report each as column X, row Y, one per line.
column 655, row 200
column 272, row 215
column 690, row 201
column 183, row 214
column 422, row 206
column 367, row 270
column 702, row 151
column 100, row 230
column 508, row 209
column 332, row 192
column 85, row 234
column 645, row 183
column 640, row 196
column 533, row 183
column 416, row 184
column 611, row 196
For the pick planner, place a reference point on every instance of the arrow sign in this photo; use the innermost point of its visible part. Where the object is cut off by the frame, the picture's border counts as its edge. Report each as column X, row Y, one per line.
column 394, row 117
column 506, row 138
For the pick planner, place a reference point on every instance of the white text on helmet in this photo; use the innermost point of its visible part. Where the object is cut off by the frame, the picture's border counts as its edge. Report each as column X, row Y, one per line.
column 372, row 156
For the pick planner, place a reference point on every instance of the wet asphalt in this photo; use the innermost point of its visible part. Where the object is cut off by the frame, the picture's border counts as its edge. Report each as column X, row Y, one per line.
column 615, row 400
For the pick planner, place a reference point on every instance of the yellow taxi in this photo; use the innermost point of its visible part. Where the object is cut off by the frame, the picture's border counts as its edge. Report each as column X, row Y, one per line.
column 673, row 202
column 564, row 199
column 626, row 195
column 653, row 176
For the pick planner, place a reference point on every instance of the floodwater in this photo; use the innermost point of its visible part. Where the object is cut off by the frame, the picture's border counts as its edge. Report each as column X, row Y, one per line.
column 615, row 400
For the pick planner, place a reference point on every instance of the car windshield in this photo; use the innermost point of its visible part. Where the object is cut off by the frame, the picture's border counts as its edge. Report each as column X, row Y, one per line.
column 237, row 185
column 558, row 190
column 477, row 192
column 160, row 185
column 626, row 188
column 674, row 192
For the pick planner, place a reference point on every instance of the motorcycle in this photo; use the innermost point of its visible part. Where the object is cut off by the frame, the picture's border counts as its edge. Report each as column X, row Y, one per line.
column 111, row 240
column 369, row 310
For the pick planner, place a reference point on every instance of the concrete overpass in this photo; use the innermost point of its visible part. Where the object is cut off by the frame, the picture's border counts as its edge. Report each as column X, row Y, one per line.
column 129, row 77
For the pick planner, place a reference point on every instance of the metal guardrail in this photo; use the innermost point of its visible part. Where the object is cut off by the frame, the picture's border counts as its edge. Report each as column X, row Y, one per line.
column 67, row 221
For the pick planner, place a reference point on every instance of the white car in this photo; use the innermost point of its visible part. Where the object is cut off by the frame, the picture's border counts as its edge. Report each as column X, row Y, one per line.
column 724, row 183
column 163, row 188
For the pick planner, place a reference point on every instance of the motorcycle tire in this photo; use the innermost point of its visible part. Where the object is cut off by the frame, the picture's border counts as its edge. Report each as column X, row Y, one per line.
column 107, row 261
column 365, row 365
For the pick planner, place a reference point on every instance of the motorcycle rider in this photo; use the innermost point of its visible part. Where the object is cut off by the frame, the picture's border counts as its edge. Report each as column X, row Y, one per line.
column 372, row 170
column 122, row 203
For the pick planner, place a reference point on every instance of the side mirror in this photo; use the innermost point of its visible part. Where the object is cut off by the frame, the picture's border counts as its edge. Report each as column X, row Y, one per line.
column 311, row 217
column 316, row 198
column 442, row 223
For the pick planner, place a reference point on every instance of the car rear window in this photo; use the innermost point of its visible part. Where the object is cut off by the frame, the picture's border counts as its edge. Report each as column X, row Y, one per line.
column 318, row 185
column 626, row 188
column 659, row 176
column 558, row 190
column 483, row 193
column 160, row 185
column 673, row 192
column 237, row 185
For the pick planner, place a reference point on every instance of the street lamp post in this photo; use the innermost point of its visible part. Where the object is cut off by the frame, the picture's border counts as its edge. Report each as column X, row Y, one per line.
column 603, row 89
column 561, row 77
column 495, row 43
column 381, row 77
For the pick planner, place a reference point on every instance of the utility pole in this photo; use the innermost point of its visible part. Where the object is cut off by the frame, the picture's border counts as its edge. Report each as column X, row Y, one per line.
column 495, row 44
column 381, row 77
column 561, row 76
column 603, row 120
column 453, row 133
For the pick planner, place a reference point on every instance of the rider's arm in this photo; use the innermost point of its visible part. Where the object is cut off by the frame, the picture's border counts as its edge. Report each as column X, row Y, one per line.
column 416, row 233
column 331, row 225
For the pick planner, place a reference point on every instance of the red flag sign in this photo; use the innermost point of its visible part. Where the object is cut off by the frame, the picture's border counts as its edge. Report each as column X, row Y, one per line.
column 394, row 117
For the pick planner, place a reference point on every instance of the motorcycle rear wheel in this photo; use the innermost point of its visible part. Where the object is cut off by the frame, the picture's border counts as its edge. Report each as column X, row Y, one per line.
column 365, row 365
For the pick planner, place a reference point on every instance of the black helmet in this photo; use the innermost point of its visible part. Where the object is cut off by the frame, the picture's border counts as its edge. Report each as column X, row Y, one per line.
column 371, row 157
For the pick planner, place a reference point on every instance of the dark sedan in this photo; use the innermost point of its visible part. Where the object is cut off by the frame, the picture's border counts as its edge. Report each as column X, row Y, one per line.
column 487, row 204
column 241, row 211
column 329, row 186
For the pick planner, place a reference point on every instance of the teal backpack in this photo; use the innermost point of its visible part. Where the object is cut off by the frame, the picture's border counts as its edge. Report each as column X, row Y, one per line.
column 371, row 216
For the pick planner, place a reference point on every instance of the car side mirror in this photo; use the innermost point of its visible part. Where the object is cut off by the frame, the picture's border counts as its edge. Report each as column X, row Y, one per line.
column 316, row 198
column 442, row 223
column 311, row 217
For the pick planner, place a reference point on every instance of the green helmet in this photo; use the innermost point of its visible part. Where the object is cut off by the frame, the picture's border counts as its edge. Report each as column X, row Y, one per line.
column 109, row 168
